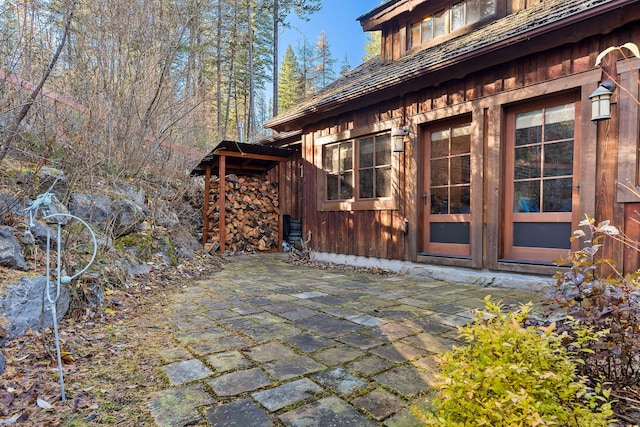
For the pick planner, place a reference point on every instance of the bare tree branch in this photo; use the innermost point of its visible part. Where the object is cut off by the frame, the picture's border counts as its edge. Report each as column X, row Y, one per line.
column 13, row 129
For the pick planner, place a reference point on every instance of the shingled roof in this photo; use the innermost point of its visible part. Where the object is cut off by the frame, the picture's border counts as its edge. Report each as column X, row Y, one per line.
column 452, row 56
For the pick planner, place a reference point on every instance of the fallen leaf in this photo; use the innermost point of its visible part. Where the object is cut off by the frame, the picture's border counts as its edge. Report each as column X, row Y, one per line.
column 10, row 421
column 44, row 404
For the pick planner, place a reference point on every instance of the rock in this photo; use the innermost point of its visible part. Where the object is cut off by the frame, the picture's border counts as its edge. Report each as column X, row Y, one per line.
column 126, row 216
column 39, row 234
column 48, row 176
column 10, row 203
column 185, row 243
column 21, row 306
column 95, row 209
column 137, row 195
column 2, row 364
column 116, row 218
column 11, row 250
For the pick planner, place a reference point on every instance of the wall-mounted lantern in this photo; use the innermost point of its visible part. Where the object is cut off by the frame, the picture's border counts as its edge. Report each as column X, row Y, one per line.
column 397, row 138
column 601, row 101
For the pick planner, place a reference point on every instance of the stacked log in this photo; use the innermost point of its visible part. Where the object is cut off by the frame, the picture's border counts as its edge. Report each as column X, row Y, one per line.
column 251, row 214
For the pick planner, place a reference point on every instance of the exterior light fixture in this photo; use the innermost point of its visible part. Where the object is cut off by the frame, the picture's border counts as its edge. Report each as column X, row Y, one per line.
column 601, row 101
column 397, row 137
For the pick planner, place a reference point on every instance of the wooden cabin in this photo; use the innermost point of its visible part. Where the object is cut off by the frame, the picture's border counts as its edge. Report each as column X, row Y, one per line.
column 469, row 141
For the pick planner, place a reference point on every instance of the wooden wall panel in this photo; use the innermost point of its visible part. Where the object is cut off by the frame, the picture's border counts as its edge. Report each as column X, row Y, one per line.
column 632, row 230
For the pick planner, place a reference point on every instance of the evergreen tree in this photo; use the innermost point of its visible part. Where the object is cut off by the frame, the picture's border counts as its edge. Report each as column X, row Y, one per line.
column 373, row 46
column 325, row 72
column 280, row 10
column 289, row 86
column 306, row 59
column 345, row 68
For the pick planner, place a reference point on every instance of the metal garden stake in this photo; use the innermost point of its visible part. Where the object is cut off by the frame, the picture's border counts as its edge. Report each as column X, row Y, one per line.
column 43, row 202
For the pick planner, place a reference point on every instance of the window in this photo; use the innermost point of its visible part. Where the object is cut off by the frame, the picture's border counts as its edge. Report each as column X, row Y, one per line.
column 457, row 15
column 338, row 165
column 365, row 161
column 543, row 170
column 450, row 170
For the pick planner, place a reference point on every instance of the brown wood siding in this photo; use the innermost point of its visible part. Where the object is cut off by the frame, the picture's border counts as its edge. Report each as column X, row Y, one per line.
column 290, row 199
column 379, row 233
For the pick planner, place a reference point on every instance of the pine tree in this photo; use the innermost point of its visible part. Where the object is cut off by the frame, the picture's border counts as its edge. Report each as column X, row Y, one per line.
column 280, row 10
column 289, row 86
column 373, row 46
column 305, row 54
column 325, row 73
column 345, row 68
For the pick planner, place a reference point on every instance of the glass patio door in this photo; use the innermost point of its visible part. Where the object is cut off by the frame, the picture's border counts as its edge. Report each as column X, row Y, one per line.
column 447, row 191
column 541, row 182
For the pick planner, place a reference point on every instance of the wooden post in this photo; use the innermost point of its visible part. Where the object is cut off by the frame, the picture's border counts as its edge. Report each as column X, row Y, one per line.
column 222, row 190
column 280, row 218
column 205, row 207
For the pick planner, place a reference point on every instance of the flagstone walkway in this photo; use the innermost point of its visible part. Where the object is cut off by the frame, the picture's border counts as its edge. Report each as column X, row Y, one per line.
column 265, row 343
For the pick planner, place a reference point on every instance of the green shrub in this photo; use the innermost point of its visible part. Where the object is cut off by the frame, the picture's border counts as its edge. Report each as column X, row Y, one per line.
column 512, row 375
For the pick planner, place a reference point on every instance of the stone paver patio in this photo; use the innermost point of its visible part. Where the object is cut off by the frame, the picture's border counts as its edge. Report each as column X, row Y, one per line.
column 266, row 343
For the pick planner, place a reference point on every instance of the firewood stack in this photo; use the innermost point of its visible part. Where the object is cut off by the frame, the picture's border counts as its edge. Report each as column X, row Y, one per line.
column 251, row 211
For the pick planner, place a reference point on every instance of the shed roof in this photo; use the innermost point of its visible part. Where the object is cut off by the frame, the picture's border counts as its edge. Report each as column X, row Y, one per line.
column 454, row 58
column 242, row 158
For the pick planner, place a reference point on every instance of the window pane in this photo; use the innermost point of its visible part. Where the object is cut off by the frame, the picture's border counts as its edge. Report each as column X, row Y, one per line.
column 473, row 11
column 366, row 152
column 415, row 34
column 427, row 29
column 529, row 127
column 439, row 200
column 559, row 122
column 558, row 159
column 486, row 7
column 440, row 143
column 461, row 140
column 383, row 150
column 457, row 16
column 383, row 182
column 440, row 23
column 557, row 195
column 346, row 185
column 366, row 184
column 528, row 160
column 346, row 156
column 440, row 172
column 460, row 199
column 330, row 161
column 460, row 170
column 332, row 187
column 526, row 196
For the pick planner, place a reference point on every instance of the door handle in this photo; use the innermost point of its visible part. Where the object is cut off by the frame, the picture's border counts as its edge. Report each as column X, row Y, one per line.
column 424, row 197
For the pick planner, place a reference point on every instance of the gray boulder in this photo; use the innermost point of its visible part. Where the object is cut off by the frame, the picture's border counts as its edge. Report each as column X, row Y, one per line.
column 21, row 306
column 11, row 250
column 93, row 208
column 114, row 217
column 126, row 216
column 2, row 364
column 39, row 232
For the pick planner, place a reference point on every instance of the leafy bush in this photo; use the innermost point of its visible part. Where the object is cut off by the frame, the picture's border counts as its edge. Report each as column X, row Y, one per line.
column 512, row 375
column 608, row 305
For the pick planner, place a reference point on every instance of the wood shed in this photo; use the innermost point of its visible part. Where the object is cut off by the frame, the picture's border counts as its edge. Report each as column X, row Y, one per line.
column 241, row 207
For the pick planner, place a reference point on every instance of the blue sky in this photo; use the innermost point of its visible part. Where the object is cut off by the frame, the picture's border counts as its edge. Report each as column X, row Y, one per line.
column 338, row 20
